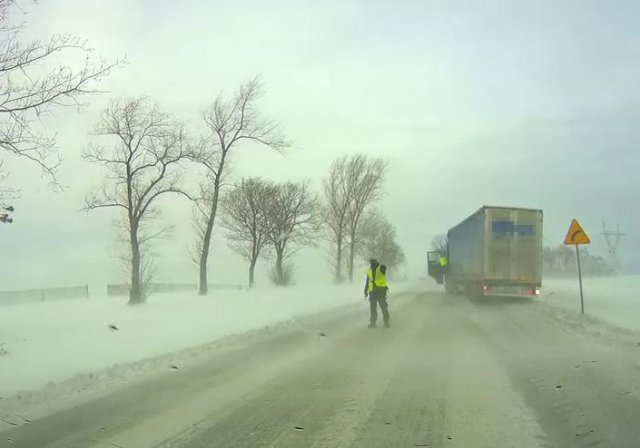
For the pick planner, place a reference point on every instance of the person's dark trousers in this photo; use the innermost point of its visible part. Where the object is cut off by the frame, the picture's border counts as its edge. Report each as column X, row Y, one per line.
column 378, row 296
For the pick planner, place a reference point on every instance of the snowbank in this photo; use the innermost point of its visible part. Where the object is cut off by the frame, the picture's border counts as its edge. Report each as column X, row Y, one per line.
column 50, row 342
column 614, row 300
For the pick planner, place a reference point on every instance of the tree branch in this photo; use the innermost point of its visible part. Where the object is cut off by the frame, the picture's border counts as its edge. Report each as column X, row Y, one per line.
column 27, row 91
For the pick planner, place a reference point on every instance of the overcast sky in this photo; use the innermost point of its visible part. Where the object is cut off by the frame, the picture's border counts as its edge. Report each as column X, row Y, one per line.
column 515, row 103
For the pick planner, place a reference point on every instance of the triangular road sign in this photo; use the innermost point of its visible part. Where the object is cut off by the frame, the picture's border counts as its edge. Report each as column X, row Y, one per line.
column 576, row 235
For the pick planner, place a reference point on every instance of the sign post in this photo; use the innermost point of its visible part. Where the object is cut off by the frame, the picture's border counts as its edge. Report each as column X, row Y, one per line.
column 577, row 236
column 580, row 279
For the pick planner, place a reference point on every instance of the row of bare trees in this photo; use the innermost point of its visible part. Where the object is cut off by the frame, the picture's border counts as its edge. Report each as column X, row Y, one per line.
column 274, row 220
column 354, row 184
column 147, row 152
column 143, row 147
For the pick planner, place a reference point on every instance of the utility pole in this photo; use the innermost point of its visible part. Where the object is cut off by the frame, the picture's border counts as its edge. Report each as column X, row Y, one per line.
column 612, row 240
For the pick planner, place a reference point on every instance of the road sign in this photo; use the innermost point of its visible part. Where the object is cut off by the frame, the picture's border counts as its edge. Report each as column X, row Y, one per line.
column 576, row 235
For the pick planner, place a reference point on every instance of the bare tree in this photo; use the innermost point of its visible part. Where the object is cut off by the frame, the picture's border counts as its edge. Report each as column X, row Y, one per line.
column 337, row 198
column 377, row 239
column 34, row 80
column 366, row 177
column 439, row 244
column 144, row 166
column 292, row 222
column 246, row 207
column 124, row 255
column 231, row 122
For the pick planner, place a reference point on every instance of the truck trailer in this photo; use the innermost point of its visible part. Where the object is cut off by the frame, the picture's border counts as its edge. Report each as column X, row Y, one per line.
column 496, row 251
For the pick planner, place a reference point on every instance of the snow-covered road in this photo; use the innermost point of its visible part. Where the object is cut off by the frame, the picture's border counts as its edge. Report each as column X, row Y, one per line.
column 451, row 372
column 51, row 342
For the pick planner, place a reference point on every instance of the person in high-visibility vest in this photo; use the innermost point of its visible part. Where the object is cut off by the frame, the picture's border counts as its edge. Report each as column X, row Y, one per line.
column 375, row 289
column 444, row 263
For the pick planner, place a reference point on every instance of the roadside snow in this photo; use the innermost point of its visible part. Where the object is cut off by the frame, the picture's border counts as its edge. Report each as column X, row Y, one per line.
column 41, row 343
column 614, row 300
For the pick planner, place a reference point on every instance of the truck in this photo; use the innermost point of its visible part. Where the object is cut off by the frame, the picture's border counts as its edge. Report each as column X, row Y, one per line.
column 495, row 251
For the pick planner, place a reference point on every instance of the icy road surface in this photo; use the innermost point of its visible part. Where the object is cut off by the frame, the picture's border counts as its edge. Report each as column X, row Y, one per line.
column 449, row 373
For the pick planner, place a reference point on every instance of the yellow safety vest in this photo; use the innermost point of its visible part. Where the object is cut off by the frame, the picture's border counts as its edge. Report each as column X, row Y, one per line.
column 380, row 282
column 443, row 261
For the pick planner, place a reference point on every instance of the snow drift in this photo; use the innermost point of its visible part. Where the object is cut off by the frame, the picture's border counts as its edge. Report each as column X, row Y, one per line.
column 45, row 342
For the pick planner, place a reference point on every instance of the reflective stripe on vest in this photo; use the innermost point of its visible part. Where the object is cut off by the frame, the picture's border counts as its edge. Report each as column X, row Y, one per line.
column 380, row 281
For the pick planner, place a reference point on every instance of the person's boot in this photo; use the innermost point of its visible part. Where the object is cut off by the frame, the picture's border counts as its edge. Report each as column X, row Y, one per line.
column 387, row 324
column 372, row 325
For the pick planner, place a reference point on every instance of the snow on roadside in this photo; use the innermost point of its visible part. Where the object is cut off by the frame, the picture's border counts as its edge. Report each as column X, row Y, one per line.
column 614, row 300
column 45, row 343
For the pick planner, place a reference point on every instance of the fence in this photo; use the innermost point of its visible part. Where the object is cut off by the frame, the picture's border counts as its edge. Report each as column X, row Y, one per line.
column 123, row 288
column 43, row 295
column 116, row 290
column 82, row 292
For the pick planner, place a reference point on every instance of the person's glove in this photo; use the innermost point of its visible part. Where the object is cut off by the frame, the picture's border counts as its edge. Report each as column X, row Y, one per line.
column 366, row 295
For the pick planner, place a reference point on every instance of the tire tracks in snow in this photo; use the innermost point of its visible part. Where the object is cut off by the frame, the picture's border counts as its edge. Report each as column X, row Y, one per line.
column 572, row 379
column 322, row 396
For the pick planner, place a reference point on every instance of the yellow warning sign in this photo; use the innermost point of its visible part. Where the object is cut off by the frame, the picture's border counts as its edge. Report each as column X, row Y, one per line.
column 576, row 235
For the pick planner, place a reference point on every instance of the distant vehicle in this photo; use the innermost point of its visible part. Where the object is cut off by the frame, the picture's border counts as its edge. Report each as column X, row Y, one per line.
column 495, row 251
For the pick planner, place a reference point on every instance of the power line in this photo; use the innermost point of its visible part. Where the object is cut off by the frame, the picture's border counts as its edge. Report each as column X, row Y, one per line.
column 612, row 239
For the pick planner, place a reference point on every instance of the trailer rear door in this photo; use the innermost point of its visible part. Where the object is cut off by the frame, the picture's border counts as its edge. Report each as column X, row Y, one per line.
column 514, row 246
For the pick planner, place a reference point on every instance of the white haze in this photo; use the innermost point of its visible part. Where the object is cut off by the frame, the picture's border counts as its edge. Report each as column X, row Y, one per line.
column 502, row 103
